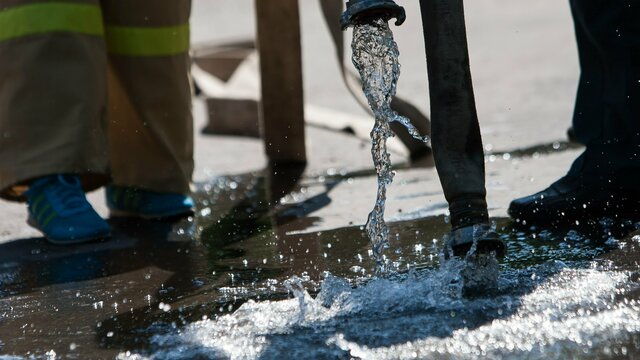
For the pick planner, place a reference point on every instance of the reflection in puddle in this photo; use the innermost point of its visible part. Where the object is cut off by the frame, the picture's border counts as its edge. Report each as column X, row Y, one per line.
column 221, row 285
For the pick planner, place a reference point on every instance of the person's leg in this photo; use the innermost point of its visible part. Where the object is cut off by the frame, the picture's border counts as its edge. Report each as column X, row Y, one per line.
column 606, row 119
column 456, row 140
column 52, row 113
column 52, row 92
column 589, row 106
column 150, row 123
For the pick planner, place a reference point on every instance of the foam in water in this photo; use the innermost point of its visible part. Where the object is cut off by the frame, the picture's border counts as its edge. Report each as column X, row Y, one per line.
column 375, row 56
column 572, row 313
column 479, row 272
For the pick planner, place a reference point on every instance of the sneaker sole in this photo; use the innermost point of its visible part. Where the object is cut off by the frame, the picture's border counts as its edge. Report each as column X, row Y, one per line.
column 33, row 224
column 163, row 216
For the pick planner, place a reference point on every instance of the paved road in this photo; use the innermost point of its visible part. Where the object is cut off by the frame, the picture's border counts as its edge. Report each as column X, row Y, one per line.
column 523, row 60
column 524, row 69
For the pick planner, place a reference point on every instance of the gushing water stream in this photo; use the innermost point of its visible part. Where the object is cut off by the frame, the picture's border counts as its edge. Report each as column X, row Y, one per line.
column 375, row 56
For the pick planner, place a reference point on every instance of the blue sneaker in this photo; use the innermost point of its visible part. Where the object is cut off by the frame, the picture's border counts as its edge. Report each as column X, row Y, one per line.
column 134, row 202
column 58, row 207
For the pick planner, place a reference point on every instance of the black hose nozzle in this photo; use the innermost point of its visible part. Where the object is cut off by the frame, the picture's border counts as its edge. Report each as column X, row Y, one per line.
column 367, row 11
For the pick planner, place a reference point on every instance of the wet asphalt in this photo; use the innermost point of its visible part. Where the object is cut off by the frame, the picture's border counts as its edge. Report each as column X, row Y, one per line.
column 255, row 227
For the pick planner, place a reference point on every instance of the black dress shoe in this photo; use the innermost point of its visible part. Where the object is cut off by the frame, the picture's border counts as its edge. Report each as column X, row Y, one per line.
column 574, row 199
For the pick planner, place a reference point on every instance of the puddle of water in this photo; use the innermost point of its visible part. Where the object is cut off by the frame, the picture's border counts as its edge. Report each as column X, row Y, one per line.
column 226, row 289
column 544, row 312
column 375, row 56
column 552, row 301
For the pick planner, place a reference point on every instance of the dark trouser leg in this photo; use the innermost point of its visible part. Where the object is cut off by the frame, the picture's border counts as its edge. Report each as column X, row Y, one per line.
column 457, row 145
column 607, row 112
column 602, row 180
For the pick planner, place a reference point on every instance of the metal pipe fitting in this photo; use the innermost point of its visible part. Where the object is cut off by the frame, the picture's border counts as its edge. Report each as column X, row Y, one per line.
column 366, row 11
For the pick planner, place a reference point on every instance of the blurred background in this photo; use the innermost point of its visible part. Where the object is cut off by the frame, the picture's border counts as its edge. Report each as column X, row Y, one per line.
column 523, row 61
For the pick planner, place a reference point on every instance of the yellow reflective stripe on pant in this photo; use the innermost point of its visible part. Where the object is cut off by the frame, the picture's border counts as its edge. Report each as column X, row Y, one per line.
column 147, row 41
column 39, row 18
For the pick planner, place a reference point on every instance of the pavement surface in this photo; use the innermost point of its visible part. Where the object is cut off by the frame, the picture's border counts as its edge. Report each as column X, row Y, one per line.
column 524, row 67
column 525, row 71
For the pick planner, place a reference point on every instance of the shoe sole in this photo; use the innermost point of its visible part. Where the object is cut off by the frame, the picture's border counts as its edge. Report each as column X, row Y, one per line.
column 33, row 224
column 164, row 216
column 550, row 213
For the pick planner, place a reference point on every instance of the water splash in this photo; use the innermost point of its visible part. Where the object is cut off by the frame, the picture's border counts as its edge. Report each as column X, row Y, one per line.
column 294, row 285
column 479, row 271
column 375, row 56
column 546, row 311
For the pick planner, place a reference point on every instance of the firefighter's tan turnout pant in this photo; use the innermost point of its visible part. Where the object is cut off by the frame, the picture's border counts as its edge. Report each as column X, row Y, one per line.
column 98, row 88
